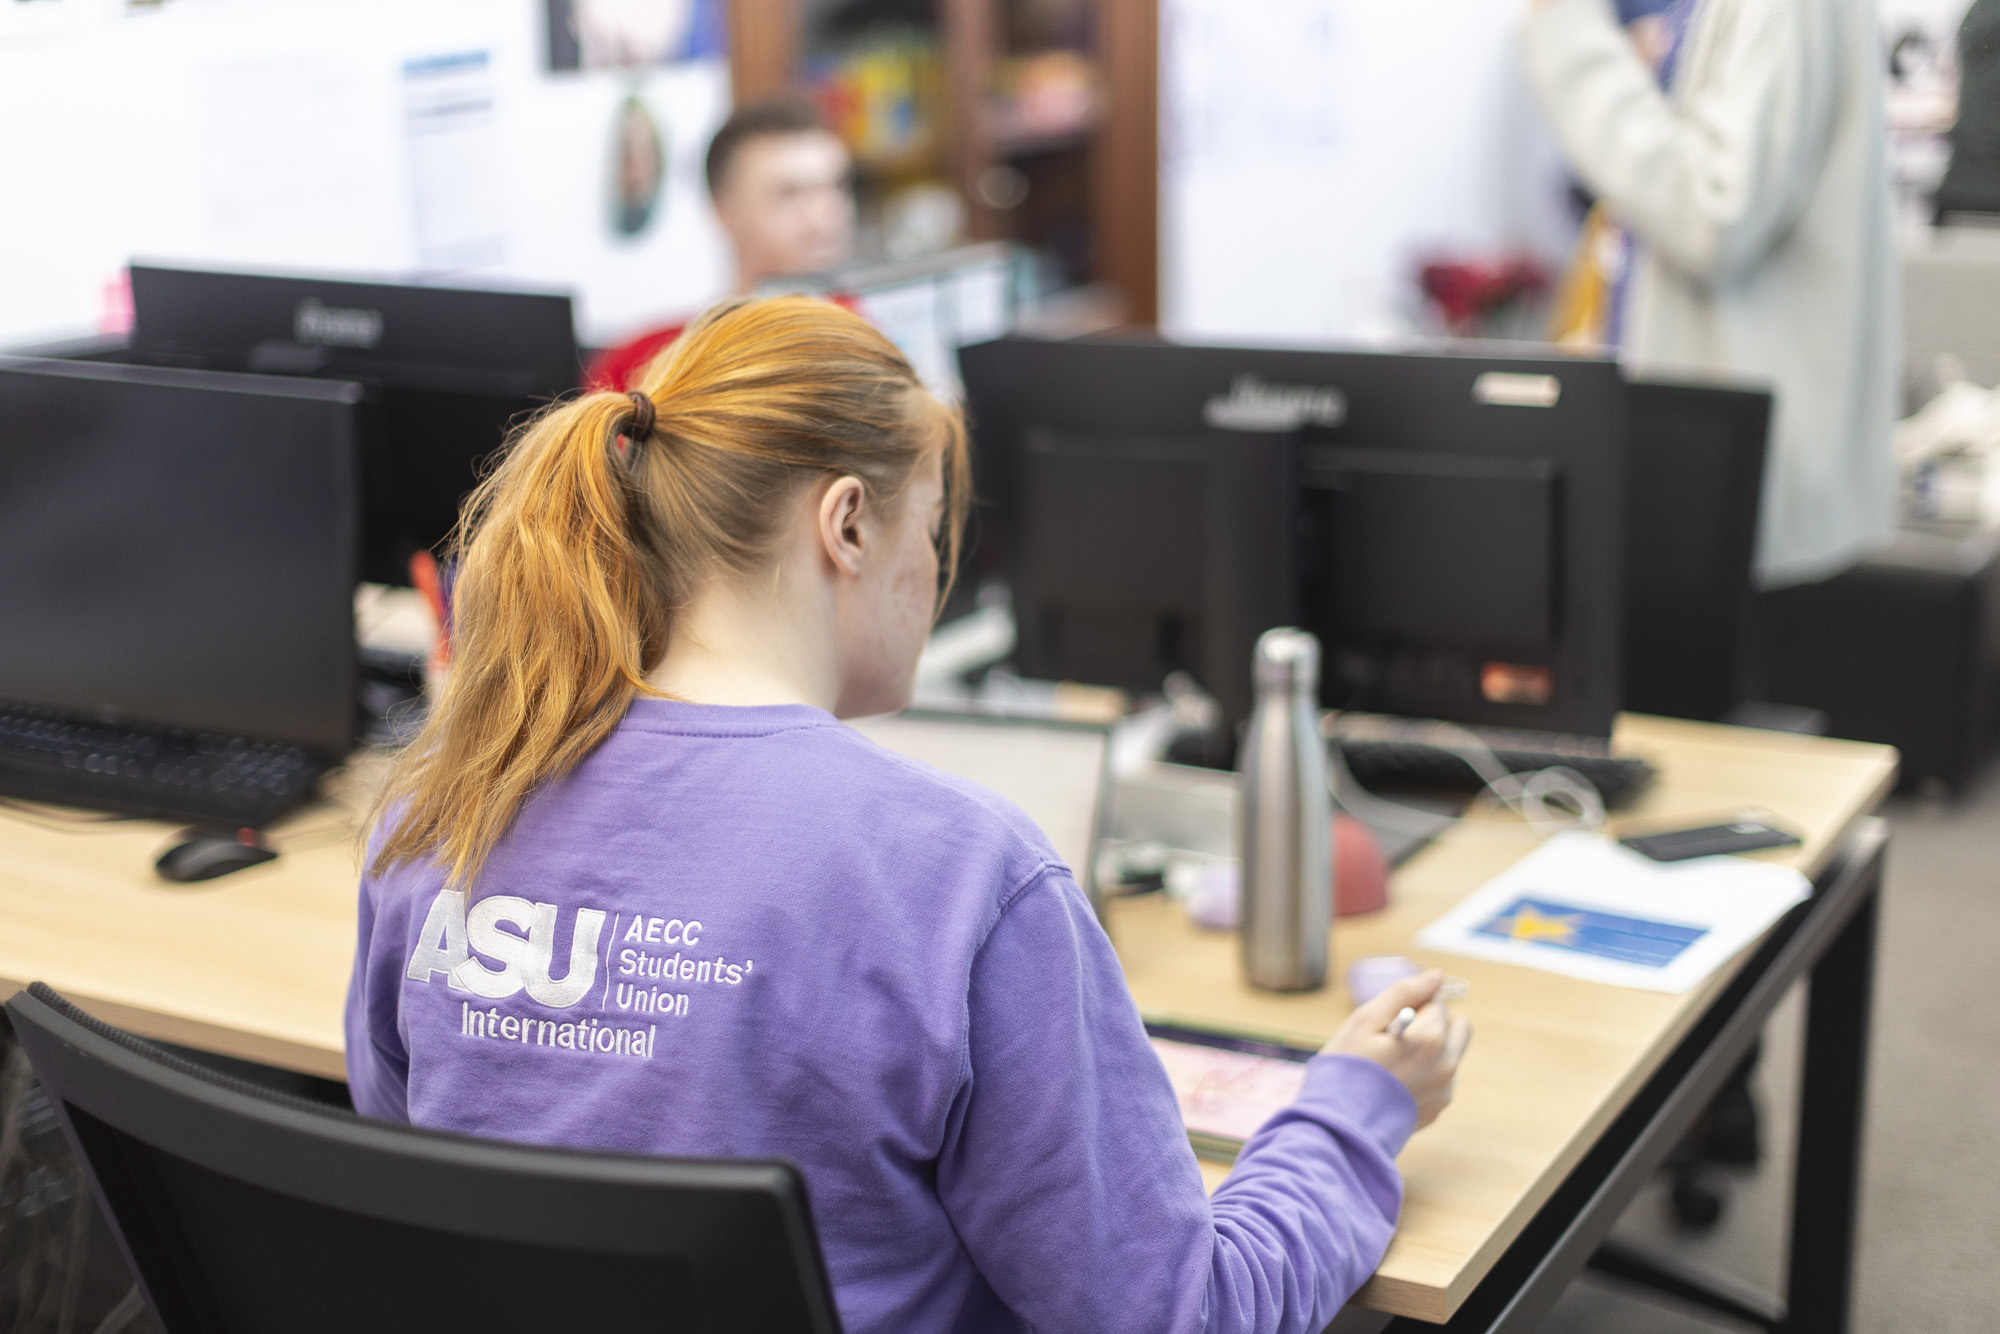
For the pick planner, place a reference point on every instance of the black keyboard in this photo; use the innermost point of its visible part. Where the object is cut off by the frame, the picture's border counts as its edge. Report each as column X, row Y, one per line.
column 164, row 773
column 1383, row 751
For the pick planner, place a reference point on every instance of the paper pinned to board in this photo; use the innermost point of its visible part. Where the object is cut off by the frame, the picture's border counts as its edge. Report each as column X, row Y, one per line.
column 1583, row 906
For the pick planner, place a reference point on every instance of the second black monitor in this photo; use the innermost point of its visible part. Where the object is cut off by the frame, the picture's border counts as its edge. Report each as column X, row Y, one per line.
column 449, row 370
column 1449, row 525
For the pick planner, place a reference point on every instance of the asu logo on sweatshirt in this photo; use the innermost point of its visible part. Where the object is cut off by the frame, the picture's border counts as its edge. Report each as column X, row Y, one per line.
column 504, row 947
column 450, row 936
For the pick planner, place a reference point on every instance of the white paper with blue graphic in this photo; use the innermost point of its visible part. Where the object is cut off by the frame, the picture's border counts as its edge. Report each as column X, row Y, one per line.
column 1584, row 906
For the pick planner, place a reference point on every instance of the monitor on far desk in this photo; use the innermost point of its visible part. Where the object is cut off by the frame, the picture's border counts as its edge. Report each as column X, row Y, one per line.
column 1449, row 525
column 448, row 369
column 931, row 306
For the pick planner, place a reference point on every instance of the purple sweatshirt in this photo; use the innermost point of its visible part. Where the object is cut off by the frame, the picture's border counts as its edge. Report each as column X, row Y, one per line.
column 754, row 932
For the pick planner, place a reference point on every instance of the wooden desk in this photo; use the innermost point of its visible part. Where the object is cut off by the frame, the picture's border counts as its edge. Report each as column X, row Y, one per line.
column 253, row 965
column 1553, row 1059
column 256, row 965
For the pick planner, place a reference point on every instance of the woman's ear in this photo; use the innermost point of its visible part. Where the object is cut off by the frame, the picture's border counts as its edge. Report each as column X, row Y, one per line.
column 842, row 509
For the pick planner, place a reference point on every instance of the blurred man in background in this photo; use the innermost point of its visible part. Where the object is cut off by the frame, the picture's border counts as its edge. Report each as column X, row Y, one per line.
column 782, row 185
column 783, row 188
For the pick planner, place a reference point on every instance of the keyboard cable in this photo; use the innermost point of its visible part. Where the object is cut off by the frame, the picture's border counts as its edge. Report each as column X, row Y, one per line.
column 1549, row 801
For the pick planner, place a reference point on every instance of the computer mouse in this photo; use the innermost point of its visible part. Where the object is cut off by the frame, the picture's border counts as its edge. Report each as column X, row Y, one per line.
column 204, row 855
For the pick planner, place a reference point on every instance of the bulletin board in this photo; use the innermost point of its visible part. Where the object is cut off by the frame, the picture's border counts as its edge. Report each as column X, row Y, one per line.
column 456, row 141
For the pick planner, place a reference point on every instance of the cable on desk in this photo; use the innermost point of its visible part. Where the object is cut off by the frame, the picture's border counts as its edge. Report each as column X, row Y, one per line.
column 318, row 836
column 57, row 818
column 1537, row 796
column 346, row 821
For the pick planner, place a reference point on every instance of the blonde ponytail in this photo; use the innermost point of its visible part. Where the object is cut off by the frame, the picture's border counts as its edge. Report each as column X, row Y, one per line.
column 576, row 552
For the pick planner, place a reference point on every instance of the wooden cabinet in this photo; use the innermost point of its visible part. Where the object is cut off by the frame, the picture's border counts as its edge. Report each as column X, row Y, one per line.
column 763, row 47
column 1126, row 182
column 1042, row 116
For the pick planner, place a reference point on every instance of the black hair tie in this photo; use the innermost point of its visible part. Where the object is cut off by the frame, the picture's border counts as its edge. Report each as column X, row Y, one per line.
column 641, row 425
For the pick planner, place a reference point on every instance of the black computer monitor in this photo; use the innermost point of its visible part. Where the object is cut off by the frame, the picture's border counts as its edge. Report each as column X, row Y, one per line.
column 1144, row 553
column 448, row 371
column 1695, row 482
column 178, row 548
column 1458, row 518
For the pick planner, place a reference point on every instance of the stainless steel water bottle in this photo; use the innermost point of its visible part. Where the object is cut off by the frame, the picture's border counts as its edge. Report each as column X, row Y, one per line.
column 1287, row 836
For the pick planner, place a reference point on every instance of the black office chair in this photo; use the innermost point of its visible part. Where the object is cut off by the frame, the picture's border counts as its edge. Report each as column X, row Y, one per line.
column 243, row 1210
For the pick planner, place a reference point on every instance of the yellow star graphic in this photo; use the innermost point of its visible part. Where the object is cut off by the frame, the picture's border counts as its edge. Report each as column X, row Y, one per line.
column 1527, row 924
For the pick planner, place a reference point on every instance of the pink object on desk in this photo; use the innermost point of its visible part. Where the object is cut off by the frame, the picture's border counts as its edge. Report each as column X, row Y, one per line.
column 1360, row 872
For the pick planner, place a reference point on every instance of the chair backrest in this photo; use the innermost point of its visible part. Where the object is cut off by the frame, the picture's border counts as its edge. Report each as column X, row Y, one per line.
column 245, row 1211
column 1694, row 483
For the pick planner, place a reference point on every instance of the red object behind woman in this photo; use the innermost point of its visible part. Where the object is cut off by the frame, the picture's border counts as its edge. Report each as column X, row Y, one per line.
column 617, row 368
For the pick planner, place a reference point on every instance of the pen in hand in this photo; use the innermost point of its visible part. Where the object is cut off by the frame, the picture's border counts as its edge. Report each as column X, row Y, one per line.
column 1409, row 1031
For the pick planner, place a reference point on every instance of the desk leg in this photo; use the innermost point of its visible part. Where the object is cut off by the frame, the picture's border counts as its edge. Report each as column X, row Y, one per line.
column 1831, row 1097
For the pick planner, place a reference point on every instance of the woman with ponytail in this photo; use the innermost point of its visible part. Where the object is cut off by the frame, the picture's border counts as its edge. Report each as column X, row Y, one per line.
column 635, row 887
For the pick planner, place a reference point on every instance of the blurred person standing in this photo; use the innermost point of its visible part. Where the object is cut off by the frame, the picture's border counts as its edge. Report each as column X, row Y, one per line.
column 1972, row 182
column 1738, row 151
column 782, row 186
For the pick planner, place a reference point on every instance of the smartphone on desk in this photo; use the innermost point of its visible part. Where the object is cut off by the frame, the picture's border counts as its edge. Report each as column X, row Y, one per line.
column 1747, row 833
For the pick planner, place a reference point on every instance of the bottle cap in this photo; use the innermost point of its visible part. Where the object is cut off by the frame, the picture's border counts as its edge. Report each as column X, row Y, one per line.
column 1287, row 659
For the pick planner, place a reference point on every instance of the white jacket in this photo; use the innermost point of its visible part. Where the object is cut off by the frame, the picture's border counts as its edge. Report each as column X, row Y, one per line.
column 1758, row 189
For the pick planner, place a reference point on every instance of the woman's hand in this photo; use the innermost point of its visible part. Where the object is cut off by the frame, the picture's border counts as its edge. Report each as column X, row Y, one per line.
column 1424, row 1056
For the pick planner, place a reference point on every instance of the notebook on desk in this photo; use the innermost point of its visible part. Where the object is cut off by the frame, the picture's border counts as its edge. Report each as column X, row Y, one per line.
column 1227, row 1084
